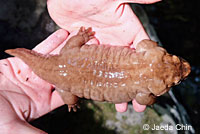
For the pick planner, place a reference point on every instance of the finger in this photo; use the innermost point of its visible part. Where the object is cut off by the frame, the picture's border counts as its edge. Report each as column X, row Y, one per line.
column 52, row 42
column 141, row 35
column 121, row 107
column 10, row 122
column 137, row 107
column 56, row 100
column 140, row 1
column 20, row 127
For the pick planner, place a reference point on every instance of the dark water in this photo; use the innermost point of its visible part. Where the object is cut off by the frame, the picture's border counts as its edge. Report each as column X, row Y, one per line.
column 174, row 26
column 188, row 94
column 177, row 27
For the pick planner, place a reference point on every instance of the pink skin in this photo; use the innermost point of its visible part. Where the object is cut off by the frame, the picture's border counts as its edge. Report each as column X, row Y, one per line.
column 25, row 97
column 113, row 21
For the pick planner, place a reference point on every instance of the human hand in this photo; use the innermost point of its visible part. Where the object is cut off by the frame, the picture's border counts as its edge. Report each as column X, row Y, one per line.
column 23, row 95
column 113, row 22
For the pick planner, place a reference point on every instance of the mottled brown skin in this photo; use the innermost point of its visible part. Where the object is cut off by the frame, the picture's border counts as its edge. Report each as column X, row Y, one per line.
column 107, row 73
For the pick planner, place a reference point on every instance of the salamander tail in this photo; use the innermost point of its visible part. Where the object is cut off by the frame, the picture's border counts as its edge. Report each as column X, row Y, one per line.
column 30, row 57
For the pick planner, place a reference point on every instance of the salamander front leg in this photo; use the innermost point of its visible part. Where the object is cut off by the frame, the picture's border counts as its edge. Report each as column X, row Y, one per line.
column 83, row 36
column 145, row 99
column 69, row 99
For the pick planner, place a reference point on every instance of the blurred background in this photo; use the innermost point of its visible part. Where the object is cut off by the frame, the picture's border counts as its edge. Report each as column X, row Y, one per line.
column 173, row 23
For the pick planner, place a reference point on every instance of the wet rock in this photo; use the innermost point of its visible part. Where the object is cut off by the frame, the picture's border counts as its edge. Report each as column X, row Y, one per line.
column 129, row 122
column 20, row 20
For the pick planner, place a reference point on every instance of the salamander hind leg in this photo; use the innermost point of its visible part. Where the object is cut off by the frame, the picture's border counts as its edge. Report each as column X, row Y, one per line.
column 145, row 99
column 71, row 100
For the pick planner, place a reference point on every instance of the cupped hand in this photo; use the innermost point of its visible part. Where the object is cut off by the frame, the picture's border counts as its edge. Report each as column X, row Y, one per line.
column 23, row 95
column 112, row 20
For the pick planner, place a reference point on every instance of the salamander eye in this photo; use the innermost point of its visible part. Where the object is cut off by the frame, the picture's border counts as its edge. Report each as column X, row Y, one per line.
column 177, row 81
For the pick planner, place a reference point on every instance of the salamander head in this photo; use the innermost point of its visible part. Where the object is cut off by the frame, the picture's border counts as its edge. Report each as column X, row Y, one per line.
column 162, row 70
column 171, row 71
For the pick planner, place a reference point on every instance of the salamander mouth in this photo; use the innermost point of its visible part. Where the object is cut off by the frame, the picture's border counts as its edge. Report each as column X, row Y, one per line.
column 160, row 93
column 164, row 91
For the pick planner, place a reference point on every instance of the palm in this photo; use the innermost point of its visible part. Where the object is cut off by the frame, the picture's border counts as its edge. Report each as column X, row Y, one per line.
column 113, row 21
column 23, row 95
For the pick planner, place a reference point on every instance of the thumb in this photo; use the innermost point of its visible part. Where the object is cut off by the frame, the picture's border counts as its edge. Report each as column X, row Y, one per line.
column 52, row 42
column 20, row 127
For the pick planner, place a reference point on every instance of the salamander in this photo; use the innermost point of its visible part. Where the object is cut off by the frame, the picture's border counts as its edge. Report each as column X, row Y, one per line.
column 107, row 73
